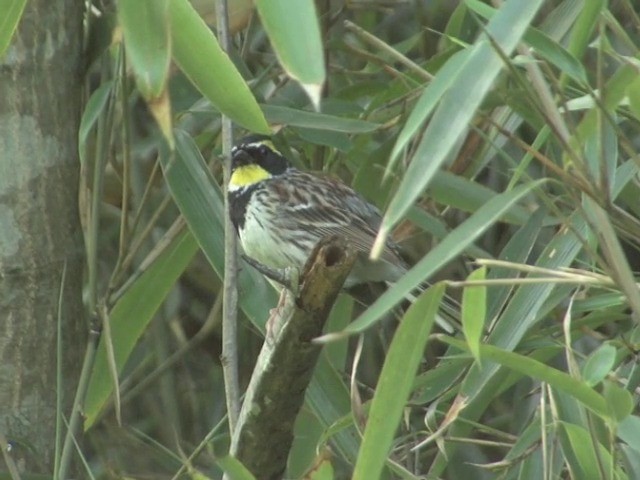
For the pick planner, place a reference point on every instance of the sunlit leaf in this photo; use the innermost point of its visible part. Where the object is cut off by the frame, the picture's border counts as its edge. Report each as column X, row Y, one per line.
column 301, row 56
column 394, row 384
column 474, row 311
column 11, row 14
column 210, row 69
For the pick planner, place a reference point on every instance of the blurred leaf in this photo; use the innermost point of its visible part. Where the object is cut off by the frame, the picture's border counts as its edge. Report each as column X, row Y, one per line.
column 435, row 381
column 544, row 46
column 9, row 18
column 441, row 83
column 523, row 307
column 517, row 250
column 322, row 468
column 583, row 459
column 145, row 25
column 320, row 121
column 585, row 24
column 474, row 311
column 633, row 92
column 210, row 69
column 457, row 241
column 554, row 53
column 629, row 431
column 94, row 108
column 631, row 459
column 619, row 401
column 394, row 384
column 306, row 442
column 233, row 469
column 458, row 104
column 301, row 56
column 615, row 255
column 341, row 315
column 467, row 195
column 599, row 364
column 544, row 373
column 328, row 397
column 131, row 315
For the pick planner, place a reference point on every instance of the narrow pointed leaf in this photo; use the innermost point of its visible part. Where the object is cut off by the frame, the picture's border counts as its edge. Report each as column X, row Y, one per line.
column 474, row 311
column 11, row 13
column 455, row 243
column 197, row 52
column 396, row 380
column 301, row 56
column 458, row 105
column 145, row 25
column 539, row 371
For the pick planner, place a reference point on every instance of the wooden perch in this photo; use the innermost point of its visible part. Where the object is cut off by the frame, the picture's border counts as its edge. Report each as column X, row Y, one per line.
column 276, row 392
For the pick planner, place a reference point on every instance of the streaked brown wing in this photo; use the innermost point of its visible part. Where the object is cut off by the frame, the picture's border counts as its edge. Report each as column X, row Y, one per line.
column 327, row 207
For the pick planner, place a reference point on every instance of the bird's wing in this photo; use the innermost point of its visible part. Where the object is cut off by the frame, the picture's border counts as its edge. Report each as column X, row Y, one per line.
column 327, row 207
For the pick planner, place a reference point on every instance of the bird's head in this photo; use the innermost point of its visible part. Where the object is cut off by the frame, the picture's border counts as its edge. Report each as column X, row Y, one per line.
column 254, row 159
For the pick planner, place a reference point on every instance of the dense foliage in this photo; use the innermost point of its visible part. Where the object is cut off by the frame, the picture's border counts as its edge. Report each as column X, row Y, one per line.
column 501, row 143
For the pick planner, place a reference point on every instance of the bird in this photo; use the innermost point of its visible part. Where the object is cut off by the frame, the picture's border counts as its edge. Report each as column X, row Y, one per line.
column 280, row 213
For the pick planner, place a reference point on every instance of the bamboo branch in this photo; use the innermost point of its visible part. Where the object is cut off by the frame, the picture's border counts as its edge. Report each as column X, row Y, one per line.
column 230, row 294
column 264, row 432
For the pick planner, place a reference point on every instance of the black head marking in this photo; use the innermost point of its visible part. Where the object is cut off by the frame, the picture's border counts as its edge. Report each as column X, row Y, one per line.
column 259, row 150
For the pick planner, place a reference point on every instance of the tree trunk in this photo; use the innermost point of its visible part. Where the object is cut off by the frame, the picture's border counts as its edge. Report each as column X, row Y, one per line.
column 40, row 233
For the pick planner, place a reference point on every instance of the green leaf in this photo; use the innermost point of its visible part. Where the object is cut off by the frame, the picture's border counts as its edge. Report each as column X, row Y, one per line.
column 619, row 401
column 197, row 53
column 93, row 110
column 467, row 195
column 629, row 431
column 441, row 83
column 458, row 105
column 633, row 92
column 585, row 24
column 538, row 370
column 328, row 397
column 395, row 382
column 145, row 26
column 544, row 46
column 582, row 456
column 599, row 364
column 9, row 18
column 436, row 381
column 131, row 315
column 233, row 469
column 455, row 243
column 320, row 121
column 474, row 310
column 294, row 32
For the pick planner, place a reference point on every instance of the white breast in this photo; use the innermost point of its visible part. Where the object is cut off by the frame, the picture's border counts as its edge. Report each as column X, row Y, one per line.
column 259, row 241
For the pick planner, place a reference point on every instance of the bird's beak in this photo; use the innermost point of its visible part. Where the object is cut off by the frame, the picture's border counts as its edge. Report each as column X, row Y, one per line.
column 240, row 157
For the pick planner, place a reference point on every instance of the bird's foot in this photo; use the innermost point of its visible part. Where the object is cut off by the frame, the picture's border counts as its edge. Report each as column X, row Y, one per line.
column 279, row 315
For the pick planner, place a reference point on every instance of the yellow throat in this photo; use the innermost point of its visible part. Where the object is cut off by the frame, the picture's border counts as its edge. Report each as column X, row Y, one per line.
column 247, row 175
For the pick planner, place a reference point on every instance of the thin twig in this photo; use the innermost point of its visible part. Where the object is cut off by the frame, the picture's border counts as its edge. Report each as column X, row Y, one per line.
column 386, row 48
column 59, row 383
column 78, row 402
column 230, row 294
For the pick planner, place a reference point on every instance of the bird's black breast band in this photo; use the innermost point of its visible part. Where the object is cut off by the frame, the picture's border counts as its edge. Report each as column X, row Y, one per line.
column 238, row 202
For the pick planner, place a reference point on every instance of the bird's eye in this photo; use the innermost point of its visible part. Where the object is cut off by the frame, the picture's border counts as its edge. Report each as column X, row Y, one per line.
column 264, row 150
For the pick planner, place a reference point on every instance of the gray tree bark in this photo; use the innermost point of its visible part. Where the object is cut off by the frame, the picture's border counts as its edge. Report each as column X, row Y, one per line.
column 40, row 232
